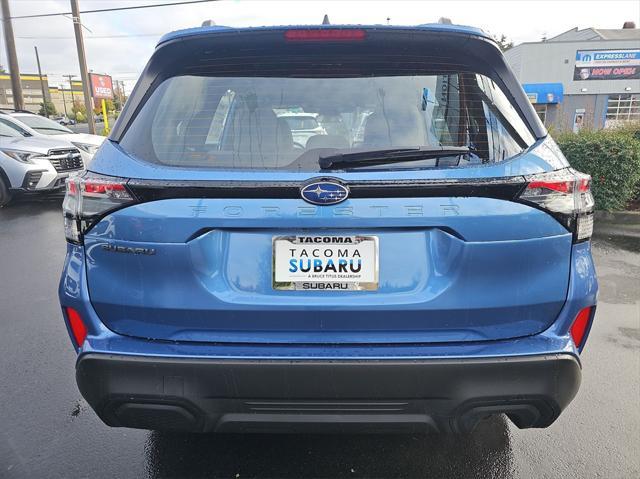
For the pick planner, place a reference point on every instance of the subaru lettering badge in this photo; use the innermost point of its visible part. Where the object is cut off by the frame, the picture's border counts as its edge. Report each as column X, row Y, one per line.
column 324, row 192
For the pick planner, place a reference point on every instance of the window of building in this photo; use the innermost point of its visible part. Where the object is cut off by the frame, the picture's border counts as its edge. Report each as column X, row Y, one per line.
column 624, row 107
column 541, row 111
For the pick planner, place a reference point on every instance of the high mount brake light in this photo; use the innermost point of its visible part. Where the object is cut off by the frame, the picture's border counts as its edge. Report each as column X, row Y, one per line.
column 324, row 35
column 566, row 194
column 89, row 198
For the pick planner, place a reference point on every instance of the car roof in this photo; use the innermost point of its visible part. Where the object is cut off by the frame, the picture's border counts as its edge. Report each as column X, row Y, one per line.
column 426, row 27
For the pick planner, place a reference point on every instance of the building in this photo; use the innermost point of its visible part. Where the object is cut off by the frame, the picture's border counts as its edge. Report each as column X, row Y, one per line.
column 63, row 96
column 582, row 78
column 31, row 91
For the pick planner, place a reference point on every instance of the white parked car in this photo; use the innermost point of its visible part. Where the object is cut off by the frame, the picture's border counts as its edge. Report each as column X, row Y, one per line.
column 37, row 125
column 33, row 164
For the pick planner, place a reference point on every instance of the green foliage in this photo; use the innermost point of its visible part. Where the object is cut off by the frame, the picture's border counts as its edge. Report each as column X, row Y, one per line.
column 79, row 112
column 78, row 107
column 612, row 158
column 50, row 109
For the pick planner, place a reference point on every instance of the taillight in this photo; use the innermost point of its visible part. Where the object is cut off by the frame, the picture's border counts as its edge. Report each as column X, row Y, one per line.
column 324, row 35
column 565, row 194
column 580, row 326
column 78, row 329
column 88, row 199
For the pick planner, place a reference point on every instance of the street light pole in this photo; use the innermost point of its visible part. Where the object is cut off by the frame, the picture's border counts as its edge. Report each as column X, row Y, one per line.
column 12, row 59
column 44, row 97
column 82, row 60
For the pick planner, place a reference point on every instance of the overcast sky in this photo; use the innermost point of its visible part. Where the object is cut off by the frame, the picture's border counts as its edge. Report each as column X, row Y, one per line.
column 119, row 43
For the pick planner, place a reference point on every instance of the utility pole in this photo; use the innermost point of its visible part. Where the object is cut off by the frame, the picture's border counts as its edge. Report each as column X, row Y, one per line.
column 44, row 97
column 12, row 59
column 69, row 77
column 82, row 60
column 64, row 102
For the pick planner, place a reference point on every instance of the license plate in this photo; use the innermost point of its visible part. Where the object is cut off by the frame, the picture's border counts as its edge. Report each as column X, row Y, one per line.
column 325, row 263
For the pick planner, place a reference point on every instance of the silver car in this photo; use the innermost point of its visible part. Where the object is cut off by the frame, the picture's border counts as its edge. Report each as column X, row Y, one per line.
column 33, row 164
column 39, row 126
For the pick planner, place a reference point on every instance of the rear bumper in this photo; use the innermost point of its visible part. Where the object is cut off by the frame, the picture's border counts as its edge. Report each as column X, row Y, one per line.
column 254, row 395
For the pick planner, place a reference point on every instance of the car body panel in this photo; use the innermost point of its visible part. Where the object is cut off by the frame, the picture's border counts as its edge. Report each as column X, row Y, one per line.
column 582, row 292
column 218, row 286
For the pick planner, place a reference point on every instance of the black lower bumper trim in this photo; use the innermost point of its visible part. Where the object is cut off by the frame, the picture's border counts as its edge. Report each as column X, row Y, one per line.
column 325, row 395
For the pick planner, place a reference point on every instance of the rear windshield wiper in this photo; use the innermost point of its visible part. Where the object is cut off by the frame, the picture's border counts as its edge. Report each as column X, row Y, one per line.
column 383, row 156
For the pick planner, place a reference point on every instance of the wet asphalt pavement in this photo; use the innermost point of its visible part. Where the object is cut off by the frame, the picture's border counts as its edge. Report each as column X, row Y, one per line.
column 47, row 430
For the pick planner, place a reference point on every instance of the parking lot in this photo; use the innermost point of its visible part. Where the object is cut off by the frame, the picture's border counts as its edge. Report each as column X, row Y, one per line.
column 47, row 430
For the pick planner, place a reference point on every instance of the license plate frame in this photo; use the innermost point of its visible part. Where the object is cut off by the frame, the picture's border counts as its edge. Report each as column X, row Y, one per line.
column 367, row 281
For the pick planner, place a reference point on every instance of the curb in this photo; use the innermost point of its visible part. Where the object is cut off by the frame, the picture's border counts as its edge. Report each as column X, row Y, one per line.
column 627, row 217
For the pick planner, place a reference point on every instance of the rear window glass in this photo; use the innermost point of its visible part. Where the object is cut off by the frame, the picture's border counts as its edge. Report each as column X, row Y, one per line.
column 255, row 122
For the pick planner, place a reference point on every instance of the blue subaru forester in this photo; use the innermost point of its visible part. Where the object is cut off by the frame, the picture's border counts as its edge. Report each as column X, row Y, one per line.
column 419, row 264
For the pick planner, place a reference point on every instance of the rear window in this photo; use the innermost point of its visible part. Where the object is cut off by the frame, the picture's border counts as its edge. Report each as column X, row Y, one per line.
column 236, row 122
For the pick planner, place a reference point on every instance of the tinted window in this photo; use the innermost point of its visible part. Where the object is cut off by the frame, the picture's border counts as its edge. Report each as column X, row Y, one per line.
column 247, row 122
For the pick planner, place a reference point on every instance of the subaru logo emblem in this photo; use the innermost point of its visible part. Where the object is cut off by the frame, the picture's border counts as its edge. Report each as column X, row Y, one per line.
column 324, row 192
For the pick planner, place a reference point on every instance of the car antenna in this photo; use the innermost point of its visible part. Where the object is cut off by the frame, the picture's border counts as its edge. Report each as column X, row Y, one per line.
column 325, row 20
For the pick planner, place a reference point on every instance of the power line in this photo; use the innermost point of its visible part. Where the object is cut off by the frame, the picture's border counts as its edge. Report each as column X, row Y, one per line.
column 36, row 37
column 115, row 9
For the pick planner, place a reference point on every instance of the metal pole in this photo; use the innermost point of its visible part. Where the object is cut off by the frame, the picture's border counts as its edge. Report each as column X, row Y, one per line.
column 16, row 87
column 82, row 60
column 44, row 97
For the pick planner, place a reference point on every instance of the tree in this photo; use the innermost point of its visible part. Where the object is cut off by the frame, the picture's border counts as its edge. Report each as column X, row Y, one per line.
column 503, row 42
column 50, row 109
column 79, row 111
column 78, row 107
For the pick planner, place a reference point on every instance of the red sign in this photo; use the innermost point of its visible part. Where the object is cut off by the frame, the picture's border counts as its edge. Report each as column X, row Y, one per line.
column 101, row 86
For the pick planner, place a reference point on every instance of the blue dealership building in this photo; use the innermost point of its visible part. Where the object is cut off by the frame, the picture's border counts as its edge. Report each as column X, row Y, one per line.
column 582, row 78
